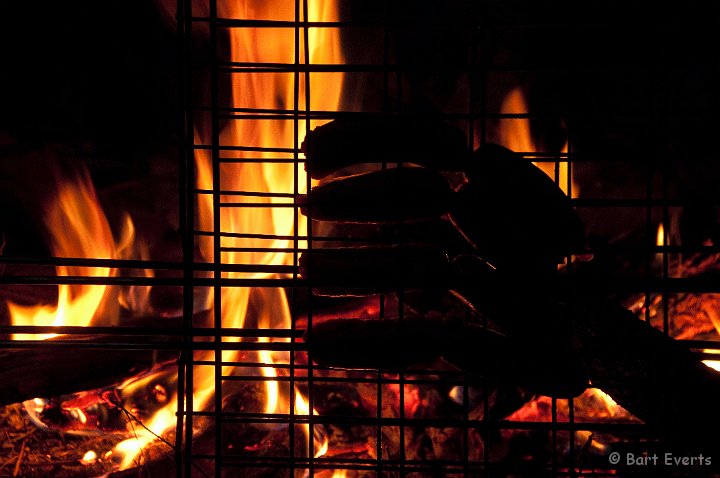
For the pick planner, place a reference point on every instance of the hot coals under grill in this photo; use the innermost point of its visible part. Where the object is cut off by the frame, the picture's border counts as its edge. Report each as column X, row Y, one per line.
column 215, row 329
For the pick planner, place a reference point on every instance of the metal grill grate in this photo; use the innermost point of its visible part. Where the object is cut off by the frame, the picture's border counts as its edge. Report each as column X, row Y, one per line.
column 627, row 108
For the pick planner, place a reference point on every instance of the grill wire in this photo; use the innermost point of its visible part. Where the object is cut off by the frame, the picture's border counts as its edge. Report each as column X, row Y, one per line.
column 489, row 32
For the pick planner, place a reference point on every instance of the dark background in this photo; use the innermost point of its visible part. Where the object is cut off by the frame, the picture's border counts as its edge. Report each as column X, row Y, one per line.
column 630, row 81
column 98, row 76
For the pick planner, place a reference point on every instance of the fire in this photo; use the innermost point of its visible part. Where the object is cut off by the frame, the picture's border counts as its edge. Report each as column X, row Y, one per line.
column 712, row 363
column 263, row 192
column 89, row 458
column 660, row 241
column 135, row 298
column 77, row 228
column 516, row 135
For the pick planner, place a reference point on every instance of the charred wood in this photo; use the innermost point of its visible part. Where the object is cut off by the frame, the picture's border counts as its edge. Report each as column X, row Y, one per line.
column 72, row 363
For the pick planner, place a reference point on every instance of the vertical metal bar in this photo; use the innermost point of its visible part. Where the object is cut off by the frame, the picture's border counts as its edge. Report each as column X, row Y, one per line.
column 554, row 436
column 650, row 239
column 571, row 436
column 296, row 227
column 310, row 382
column 217, row 257
column 386, row 61
column 666, row 219
column 186, row 214
column 482, row 31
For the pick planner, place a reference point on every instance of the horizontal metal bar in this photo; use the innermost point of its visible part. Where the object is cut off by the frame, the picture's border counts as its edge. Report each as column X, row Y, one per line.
column 260, row 149
column 569, row 284
column 237, row 67
column 153, row 281
column 445, row 422
column 258, row 205
column 247, row 193
column 632, row 202
column 152, row 331
column 291, row 114
column 121, row 264
column 576, row 25
column 164, row 344
column 283, row 250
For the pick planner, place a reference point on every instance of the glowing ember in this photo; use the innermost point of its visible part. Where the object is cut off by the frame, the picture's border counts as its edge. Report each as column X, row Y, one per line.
column 89, row 458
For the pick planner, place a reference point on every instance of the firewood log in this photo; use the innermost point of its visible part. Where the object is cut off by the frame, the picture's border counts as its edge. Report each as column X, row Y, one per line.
column 37, row 372
column 51, row 370
column 656, row 378
column 344, row 142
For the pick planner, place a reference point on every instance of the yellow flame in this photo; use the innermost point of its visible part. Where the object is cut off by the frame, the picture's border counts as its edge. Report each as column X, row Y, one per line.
column 339, row 474
column 608, row 402
column 660, row 241
column 320, row 440
column 77, row 228
column 129, row 449
column 252, row 218
column 515, row 134
column 135, row 298
column 89, row 458
column 712, row 363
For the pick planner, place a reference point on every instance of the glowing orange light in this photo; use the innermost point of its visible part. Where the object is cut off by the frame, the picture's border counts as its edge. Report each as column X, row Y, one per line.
column 515, row 134
column 89, row 458
column 260, row 215
column 77, row 228
column 660, row 241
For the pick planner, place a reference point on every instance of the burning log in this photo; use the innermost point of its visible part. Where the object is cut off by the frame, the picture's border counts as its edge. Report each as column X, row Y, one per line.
column 345, row 142
column 37, row 372
column 651, row 375
column 29, row 373
column 656, row 378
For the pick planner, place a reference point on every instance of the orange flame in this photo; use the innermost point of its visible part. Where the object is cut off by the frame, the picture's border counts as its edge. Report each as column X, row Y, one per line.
column 136, row 298
column 255, row 214
column 77, row 228
column 660, row 240
column 515, row 135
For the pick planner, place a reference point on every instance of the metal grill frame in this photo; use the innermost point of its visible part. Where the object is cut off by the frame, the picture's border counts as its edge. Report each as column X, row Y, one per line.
column 185, row 338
